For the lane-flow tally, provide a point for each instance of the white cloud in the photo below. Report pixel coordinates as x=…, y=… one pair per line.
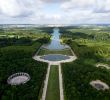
x=16, y=8
x=10, y=7
x=102, y=6
x=77, y=4
x=98, y=6
x=66, y=12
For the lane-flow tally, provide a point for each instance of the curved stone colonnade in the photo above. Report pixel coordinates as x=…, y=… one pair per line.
x=101, y=65
x=18, y=78
x=99, y=85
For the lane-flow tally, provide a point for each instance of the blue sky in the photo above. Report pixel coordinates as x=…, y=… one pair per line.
x=54, y=11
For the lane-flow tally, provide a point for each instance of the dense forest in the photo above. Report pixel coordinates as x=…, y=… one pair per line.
x=78, y=74
x=19, y=59
x=77, y=77
x=16, y=56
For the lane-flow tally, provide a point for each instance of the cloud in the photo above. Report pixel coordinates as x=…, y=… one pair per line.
x=77, y=4
x=10, y=7
x=54, y=1
x=102, y=6
x=17, y=8
x=54, y=11
x=97, y=6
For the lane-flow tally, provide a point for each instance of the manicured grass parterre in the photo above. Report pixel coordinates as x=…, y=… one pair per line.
x=53, y=92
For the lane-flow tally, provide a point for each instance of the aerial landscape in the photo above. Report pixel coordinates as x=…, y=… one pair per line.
x=54, y=50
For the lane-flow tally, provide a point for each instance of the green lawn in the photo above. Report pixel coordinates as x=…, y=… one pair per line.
x=53, y=92
x=65, y=52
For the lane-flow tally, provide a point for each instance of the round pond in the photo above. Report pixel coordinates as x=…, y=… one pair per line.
x=55, y=57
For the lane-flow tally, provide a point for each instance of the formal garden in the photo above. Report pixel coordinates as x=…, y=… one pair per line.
x=86, y=78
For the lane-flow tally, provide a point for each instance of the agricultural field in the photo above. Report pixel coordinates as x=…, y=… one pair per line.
x=91, y=46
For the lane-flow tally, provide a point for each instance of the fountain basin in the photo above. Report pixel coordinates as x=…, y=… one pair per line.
x=55, y=57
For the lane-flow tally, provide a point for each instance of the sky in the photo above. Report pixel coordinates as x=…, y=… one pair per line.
x=54, y=11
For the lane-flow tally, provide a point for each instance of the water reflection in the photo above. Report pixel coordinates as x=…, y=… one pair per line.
x=55, y=57
x=55, y=43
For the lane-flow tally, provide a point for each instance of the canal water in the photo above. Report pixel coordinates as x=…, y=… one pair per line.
x=55, y=42
x=55, y=57
x=55, y=45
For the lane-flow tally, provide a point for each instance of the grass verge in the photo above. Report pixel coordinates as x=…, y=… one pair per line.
x=53, y=92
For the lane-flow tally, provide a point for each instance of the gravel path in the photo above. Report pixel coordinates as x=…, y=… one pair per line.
x=72, y=58
x=46, y=83
x=61, y=83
